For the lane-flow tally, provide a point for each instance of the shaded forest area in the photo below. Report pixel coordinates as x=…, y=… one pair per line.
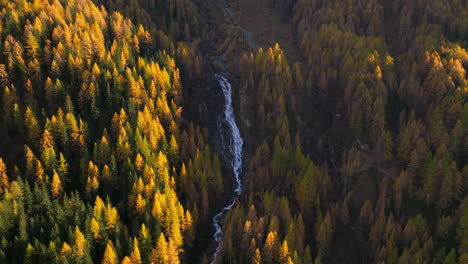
x=357, y=144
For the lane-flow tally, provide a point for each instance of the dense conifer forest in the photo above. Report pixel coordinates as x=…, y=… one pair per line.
x=353, y=114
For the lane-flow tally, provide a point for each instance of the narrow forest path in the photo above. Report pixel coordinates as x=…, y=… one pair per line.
x=263, y=26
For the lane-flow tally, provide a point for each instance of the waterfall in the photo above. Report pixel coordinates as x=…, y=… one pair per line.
x=233, y=153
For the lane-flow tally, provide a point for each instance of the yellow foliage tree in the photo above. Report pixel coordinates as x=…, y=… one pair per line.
x=95, y=183
x=111, y=217
x=140, y=186
x=4, y=183
x=106, y=173
x=56, y=185
x=140, y=204
x=162, y=167
x=173, y=252
x=157, y=210
x=92, y=184
x=98, y=207
x=284, y=253
x=139, y=162
x=80, y=242
x=270, y=246
x=159, y=253
x=187, y=221
x=135, y=256
x=144, y=231
x=47, y=140
x=257, y=258
x=32, y=126
x=30, y=162
x=65, y=249
x=93, y=170
x=29, y=253
x=40, y=174
x=110, y=257
x=126, y=260
x=95, y=229
x=148, y=173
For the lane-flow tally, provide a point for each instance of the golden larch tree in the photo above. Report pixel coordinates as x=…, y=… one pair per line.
x=80, y=242
x=4, y=183
x=65, y=249
x=135, y=256
x=95, y=229
x=56, y=185
x=159, y=253
x=110, y=257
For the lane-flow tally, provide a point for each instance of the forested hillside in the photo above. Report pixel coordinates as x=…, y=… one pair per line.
x=93, y=143
x=356, y=134
x=360, y=147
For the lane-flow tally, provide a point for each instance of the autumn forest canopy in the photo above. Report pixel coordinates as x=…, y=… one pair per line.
x=353, y=113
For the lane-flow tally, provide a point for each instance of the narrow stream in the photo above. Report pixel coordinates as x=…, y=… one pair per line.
x=232, y=142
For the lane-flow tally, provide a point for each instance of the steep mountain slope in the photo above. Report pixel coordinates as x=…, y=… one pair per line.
x=91, y=145
x=385, y=118
x=355, y=131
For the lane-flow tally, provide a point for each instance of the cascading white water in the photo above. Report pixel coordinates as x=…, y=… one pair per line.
x=233, y=156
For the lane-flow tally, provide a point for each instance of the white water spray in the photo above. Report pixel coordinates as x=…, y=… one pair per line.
x=234, y=157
